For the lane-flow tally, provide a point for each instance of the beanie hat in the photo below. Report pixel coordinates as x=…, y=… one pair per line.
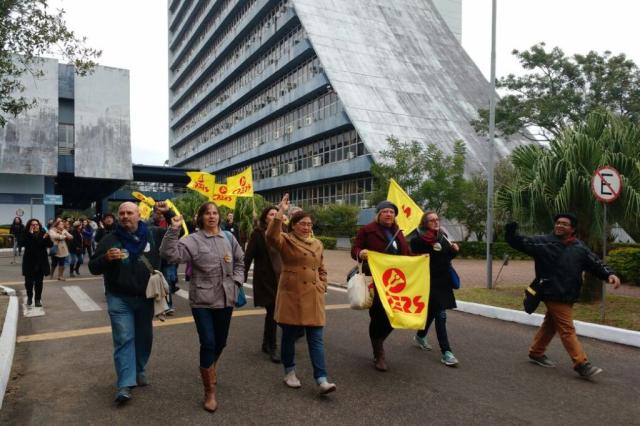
x=386, y=204
x=572, y=218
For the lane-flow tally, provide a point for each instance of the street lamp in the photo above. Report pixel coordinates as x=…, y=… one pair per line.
x=492, y=125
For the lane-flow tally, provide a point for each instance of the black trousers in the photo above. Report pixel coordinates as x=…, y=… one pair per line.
x=379, y=326
x=270, y=329
x=32, y=282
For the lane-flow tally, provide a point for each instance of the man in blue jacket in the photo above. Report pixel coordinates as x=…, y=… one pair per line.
x=125, y=257
x=560, y=258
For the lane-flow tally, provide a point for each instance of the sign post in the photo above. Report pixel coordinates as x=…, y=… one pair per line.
x=606, y=185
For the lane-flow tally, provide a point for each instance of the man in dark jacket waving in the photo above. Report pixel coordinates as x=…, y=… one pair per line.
x=122, y=256
x=560, y=258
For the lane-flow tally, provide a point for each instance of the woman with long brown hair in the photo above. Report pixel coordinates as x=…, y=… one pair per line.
x=266, y=271
x=217, y=275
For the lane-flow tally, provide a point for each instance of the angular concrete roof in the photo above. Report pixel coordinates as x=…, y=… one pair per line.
x=399, y=70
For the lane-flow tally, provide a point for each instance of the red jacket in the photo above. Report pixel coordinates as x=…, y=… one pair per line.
x=373, y=237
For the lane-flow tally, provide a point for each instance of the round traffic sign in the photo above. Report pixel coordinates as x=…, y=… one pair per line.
x=606, y=184
x=19, y=212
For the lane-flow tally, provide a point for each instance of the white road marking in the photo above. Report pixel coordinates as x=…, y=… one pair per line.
x=81, y=299
x=30, y=311
x=182, y=293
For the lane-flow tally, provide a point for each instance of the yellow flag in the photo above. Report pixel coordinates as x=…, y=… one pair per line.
x=202, y=182
x=403, y=285
x=409, y=214
x=222, y=197
x=145, y=210
x=241, y=185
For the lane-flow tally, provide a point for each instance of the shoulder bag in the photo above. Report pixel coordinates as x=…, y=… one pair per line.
x=358, y=291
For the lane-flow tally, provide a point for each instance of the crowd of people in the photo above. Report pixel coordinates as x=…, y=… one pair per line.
x=289, y=281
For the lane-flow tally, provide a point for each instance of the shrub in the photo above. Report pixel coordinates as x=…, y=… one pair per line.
x=626, y=263
x=335, y=220
x=329, y=243
x=478, y=249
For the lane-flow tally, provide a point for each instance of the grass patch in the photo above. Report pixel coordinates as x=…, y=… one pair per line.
x=620, y=311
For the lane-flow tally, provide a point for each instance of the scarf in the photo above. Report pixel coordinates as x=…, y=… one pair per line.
x=569, y=241
x=430, y=236
x=133, y=242
x=308, y=240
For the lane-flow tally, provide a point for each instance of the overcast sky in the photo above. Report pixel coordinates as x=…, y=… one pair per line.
x=133, y=35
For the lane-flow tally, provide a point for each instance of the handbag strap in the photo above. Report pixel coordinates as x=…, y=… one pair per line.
x=392, y=240
x=147, y=264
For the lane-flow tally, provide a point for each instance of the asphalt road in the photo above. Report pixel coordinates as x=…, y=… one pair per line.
x=62, y=379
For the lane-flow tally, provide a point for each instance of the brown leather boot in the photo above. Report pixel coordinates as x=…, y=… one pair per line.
x=378, y=354
x=209, y=380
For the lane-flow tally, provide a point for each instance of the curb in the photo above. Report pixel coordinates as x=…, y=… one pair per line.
x=8, y=340
x=586, y=329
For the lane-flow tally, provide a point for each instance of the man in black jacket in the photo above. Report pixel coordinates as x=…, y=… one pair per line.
x=560, y=258
x=121, y=257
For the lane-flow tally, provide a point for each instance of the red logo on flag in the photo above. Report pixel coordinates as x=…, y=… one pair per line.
x=394, y=279
x=406, y=210
x=223, y=190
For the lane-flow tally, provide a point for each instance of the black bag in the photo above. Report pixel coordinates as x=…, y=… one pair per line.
x=532, y=296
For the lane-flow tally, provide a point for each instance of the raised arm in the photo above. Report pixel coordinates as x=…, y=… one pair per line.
x=274, y=230
x=172, y=249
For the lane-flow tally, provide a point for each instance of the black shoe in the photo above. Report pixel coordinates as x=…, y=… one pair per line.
x=123, y=395
x=29, y=301
x=542, y=361
x=38, y=304
x=587, y=370
x=265, y=349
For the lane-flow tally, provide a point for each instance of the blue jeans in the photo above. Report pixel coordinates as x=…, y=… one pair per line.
x=315, y=344
x=440, y=317
x=213, y=329
x=132, y=334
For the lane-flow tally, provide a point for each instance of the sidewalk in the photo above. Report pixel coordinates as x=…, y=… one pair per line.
x=473, y=272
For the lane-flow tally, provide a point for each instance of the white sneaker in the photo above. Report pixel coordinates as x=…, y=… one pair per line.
x=326, y=387
x=291, y=380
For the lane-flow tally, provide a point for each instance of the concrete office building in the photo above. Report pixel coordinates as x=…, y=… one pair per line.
x=75, y=141
x=307, y=91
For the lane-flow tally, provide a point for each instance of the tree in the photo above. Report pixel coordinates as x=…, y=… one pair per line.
x=430, y=177
x=558, y=179
x=29, y=31
x=559, y=91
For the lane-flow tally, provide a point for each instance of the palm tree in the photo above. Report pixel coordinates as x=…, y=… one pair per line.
x=558, y=179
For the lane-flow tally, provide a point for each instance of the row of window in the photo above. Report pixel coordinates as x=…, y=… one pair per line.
x=211, y=52
x=304, y=72
x=154, y=187
x=272, y=56
x=325, y=105
x=351, y=191
x=212, y=22
x=343, y=146
x=66, y=139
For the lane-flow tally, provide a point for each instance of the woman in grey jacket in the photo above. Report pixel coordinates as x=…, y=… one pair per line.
x=218, y=272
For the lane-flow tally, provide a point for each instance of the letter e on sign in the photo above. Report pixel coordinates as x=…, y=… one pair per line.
x=606, y=184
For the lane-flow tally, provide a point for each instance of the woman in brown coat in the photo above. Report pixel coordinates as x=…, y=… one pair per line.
x=382, y=235
x=266, y=270
x=301, y=289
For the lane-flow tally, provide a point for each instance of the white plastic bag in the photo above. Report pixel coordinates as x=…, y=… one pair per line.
x=358, y=291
